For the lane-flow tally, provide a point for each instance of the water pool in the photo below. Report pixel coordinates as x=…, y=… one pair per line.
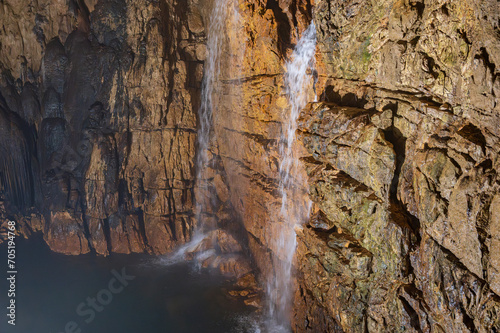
x=99, y=295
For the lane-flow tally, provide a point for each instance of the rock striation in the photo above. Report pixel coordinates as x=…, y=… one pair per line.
x=100, y=99
x=402, y=165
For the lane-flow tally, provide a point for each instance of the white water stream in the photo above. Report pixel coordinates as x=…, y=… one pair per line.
x=293, y=211
x=294, y=208
x=210, y=84
x=216, y=33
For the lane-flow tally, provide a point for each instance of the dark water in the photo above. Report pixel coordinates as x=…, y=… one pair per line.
x=160, y=298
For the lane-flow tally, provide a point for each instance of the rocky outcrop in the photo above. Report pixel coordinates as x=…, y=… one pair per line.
x=403, y=170
x=98, y=130
x=100, y=98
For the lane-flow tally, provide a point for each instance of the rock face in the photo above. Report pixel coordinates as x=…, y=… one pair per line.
x=248, y=119
x=401, y=153
x=98, y=125
x=98, y=119
x=403, y=170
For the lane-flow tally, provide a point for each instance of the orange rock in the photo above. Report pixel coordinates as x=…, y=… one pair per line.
x=65, y=234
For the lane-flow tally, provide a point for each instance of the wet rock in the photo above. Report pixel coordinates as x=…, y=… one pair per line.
x=494, y=267
x=227, y=243
x=66, y=234
x=195, y=20
x=247, y=288
x=125, y=234
x=234, y=266
x=113, y=115
x=98, y=232
x=98, y=118
x=255, y=302
x=221, y=188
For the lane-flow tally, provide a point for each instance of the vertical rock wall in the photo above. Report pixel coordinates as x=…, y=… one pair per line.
x=247, y=121
x=98, y=115
x=403, y=169
x=98, y=129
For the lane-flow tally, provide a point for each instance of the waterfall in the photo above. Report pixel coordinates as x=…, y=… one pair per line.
x=294, y=211
x=212, y=70
x=204, y=200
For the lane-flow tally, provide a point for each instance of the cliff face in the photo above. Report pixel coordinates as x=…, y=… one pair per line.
x=403, y=169
x=98, y=115
x=248, y=119
x=98, y=125
x=401, y=154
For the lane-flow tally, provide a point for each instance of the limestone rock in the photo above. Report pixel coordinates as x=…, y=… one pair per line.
x=428, y=217
x=66, y=234
x=98, y=126
x=105, y=103
x=493, y=269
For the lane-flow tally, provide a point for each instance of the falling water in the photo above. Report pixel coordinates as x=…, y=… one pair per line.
x=215, y=36
x=209, y=92
x=292, y=188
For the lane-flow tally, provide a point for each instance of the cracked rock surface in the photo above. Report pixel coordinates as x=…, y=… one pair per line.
x=98, y=130
x=98, y=115
x=403, y=170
